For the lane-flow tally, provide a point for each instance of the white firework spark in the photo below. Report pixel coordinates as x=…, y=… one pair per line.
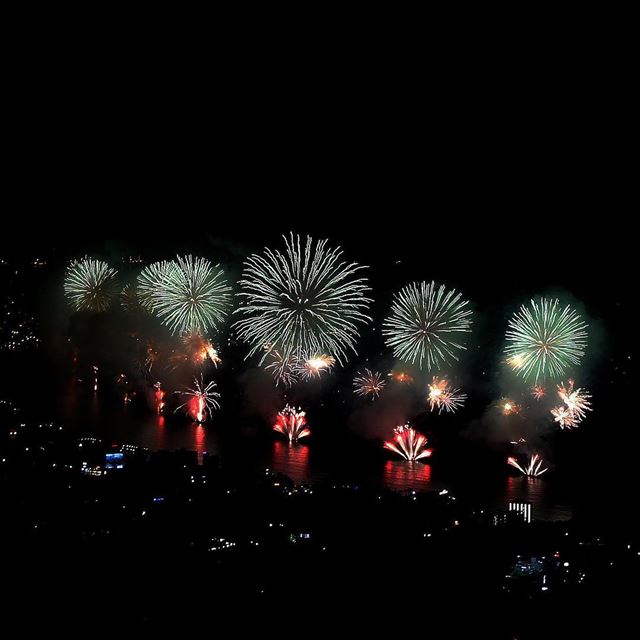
x=576, y=400
x=187, y=294
x=533, y=469
x=369, y=383
x=201, y=400
x=307, y=300
x=427, y=324
x=90, y=285
x=565, y=417
x=314, y=366
x=543, y=340
x=443, y=397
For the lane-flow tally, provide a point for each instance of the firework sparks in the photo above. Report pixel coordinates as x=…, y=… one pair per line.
x=151, y=280
x=576, y=400
x=427, y=324
x=201, y=400
x=292, y=423
x=200, y=348
x=408, y=443
x=129, y=298
x=443, y=397
x=187, y=294
x=533, y=469
x=509, y=407
x=305, y=301
x=90, y=285
x=564, y=417
x=158, y=395
x=369, y=383
x=313, y=367
x=538, y=392
x=284, y=370
x=401, y=377
x=543, y=340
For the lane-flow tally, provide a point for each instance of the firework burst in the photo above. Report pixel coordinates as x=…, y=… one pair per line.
x=304, y=301
x=408, y=443
x=199, y=349
x=284, y=370
x=151, y=281
x=187, y=294
x=292, y=424
x=576, y=400
x=538, y=392
x=369, y=383
x=313, y=367
x=564, y=417
x=90, y=285
x=533, y=469
x=158, y=396
x=401, y=377
x=443, y=397
x=427, y=324
x=509, y=407
x=543, y=340
x=201, y=400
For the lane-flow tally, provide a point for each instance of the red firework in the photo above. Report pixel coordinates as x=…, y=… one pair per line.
x=159, y=397
x=292, y=424
x=408, y=443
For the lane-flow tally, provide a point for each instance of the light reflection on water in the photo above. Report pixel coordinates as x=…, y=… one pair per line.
x=292, y=459
x=89, y=415
x=402, y=474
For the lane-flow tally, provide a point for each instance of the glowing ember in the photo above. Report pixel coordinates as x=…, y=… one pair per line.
x=408, y=443
x=533, y=469
x=443, y=397
x=400, y=376
x=292, y=424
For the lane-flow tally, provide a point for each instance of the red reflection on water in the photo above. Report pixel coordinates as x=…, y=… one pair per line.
x=200, y=441
x=292, y=459
x=524, y=488
x=402, y=474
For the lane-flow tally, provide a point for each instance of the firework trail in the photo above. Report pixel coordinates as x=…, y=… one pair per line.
x=408, y=443
x=369, y=383
x=90, y=285
x=543, y=340
x=427, y=325
x=283, y=370
x=201, y=402
x=304, y=301
x=443, y=397
x=292, y=424
x=158, y=395
x=187, y=294
x=533, y=469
